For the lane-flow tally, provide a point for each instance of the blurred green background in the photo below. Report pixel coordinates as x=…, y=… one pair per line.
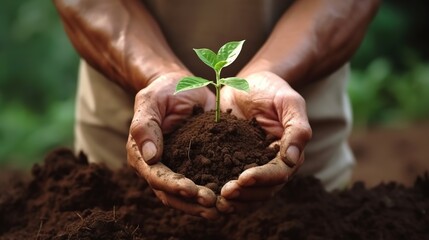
x=38, y=67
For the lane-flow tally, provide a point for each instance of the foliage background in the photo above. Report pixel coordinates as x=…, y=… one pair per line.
x=38, y=67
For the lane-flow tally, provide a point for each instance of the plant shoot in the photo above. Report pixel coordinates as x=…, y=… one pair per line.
x=224, y=57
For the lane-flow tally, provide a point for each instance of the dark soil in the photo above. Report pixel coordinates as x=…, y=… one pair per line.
x=211, y=153
x=68, y=198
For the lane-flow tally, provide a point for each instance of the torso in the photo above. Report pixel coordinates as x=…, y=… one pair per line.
x=189, y=24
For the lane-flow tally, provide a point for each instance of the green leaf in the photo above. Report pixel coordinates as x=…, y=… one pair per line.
x=237, y=83
x=219, y=65
x=229, y=52
x=207, y=56
x=188, y=83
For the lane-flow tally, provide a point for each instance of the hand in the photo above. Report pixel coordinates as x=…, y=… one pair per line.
x=158, y=111
x=280, y=111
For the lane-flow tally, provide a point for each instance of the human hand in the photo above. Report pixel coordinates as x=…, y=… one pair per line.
x=158, y=111
x=173, y=189
x=280, y=111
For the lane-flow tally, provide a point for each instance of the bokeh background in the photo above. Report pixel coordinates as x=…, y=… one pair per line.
x=389, y=87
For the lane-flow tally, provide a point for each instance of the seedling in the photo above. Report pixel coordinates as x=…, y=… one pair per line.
x=224, y=57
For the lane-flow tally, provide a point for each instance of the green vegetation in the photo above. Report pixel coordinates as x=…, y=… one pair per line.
x=390, y=74
x=38, y=71
x=224, y=57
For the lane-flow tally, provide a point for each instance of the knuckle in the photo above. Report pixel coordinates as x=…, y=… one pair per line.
x=135, y=126
x=305, y=131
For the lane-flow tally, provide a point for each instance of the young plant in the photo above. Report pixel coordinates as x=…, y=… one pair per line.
x=224, y=57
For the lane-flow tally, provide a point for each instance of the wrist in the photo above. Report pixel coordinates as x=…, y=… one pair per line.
x=149, y=73
x=293, y=74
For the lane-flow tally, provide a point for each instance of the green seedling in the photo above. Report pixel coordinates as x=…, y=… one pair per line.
x=224, y=57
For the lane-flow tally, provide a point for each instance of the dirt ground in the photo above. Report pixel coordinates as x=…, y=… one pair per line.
x=386, y=154
x=68, y=198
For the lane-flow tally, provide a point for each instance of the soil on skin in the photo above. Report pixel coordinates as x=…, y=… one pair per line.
x=211, y=153
x=68, y=198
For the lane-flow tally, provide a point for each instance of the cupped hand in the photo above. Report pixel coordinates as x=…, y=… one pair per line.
x=280, y=111
x=157, y=111
x=173, y=189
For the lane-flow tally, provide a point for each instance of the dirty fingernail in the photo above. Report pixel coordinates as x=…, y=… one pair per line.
x=292, y=156
x=148, y=151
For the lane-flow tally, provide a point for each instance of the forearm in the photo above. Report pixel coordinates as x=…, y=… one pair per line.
x=313, y=39
x=120, y=39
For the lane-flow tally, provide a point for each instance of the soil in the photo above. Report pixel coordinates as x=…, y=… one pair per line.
x=397, y=153
x=68, y=198
x=211, y=153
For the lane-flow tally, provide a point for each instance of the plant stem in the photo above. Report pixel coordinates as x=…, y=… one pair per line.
x=217, y=85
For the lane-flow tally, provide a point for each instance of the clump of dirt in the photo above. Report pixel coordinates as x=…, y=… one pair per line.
x=69, y=198
x=211, y=154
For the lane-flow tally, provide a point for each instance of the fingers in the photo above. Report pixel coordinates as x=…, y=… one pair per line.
x=188, y=207
x=173, y=189
x=146, y=128
x=230, y=206
x=158, y=175
x=241, y=193
x=206, y=197
x=297, y=131
x=272, y=173
x=253, y=187
x=258, y=183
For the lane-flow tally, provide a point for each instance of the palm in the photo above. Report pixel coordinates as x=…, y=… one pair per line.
x=281, y=112
x=266, y=102
x=171, y=109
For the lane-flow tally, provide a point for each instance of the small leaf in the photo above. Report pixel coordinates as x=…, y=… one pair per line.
x=229, y=52
x=207, y=56
x=237, y=83
x=188, y=83
x=219, y=65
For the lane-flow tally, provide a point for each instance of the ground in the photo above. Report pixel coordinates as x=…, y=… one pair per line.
x=68, y=198
x=386, y=154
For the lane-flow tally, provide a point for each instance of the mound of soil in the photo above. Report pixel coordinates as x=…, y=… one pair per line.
x=69, y=198
x=211, y=154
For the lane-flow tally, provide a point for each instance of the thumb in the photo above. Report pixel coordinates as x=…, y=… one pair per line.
x=146, y=131
x=293, y=142
x=297, y=132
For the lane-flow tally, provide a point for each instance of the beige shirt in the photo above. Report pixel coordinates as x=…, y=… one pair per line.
x=102, y=129
x=189, y=24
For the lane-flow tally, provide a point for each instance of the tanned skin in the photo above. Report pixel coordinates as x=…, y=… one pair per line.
x=122, y=40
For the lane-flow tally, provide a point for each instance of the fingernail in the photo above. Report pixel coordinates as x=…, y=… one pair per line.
x=148, y=151
x=292, y=156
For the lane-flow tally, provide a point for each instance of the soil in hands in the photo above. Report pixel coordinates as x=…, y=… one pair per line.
x=211, y=154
